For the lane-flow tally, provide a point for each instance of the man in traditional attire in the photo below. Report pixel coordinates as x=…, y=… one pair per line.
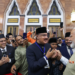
x=6, y=56
x=20, y=57
x=39, y=54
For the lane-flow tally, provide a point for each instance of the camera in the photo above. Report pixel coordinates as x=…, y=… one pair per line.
x=4, y=54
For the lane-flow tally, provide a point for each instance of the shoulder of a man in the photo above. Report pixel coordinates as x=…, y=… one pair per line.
x=18, y=48
x=10, y=47
x=47, y=44
x=31, y=47
x=62, y=47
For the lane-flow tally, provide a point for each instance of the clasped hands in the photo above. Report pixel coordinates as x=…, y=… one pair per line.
x=53, y=54
x=4, y=60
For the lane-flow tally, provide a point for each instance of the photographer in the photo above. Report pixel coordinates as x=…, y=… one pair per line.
x=59, y=41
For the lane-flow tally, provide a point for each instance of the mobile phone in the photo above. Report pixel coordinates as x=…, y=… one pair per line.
x=4, y=54
x=24, y=35
x=61, y=24
x=13, y=41
x=54, y=32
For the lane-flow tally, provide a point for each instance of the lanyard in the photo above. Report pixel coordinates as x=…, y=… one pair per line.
x=40, y=48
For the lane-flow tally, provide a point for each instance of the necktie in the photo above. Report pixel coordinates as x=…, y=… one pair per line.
x=71, y=52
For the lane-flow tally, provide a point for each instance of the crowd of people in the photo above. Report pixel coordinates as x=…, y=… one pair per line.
x=37, y=55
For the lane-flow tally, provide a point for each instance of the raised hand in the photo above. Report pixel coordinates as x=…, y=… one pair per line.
x=51, y=54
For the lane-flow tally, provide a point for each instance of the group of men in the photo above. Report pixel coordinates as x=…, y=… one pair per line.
x=45, y=56
x=13, y=54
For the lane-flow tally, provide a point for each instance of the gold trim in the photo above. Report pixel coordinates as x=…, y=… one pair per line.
x=55, y=20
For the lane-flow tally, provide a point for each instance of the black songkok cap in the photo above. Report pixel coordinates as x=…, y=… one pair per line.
x=67, y=34
x=52, y=40
x=41, y=30
x=2, y=36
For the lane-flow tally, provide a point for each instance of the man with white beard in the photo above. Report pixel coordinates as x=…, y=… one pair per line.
x=73, y=38
x=70, y=64
x=67, y=49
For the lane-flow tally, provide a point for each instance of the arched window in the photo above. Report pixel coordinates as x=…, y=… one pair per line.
x=34, y=9
x=14, y=10
x=33, y=17
x=54, y=9
x=55, y=16
x=12, y=19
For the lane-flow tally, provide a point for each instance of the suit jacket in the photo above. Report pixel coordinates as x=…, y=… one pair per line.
x=70, y=67
x=36, y=62
x=64, y=51
x=4, y=69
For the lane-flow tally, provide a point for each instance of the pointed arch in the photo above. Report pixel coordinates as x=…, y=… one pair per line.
x=13, y=5
x=55, y=16
x=33, y=15
x=14, y=10
x=12, y=18
x=58, y=6
x=34, y=6
x=34, y=9
x=54, y=9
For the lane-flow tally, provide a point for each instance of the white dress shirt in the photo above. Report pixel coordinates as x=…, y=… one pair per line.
x=3, y=49
x=59, y=45
x=64, y=60
x=73, y=49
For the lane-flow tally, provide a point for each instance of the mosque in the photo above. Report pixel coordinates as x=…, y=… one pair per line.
x=19, y=16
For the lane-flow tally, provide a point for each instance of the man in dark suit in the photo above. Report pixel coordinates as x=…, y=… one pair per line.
x=39, y=54
x=66, y=50
x=6, y=56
